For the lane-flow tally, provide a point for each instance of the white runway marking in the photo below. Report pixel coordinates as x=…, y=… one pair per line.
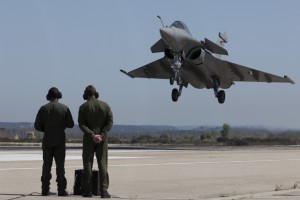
x=203, y=162
x=166, y=164
x=39, y=157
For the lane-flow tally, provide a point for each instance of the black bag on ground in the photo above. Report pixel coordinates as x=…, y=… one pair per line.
x=78, y=189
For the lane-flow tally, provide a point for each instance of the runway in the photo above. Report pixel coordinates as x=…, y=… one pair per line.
x=205, y=173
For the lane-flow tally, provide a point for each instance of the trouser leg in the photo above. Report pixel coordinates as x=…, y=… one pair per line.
x=102, y=159
x=46, y=171
x=59, y=156
x=87, y=157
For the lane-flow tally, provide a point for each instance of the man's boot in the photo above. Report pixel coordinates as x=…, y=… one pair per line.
x=105, y=195
x=63, y=193
x=45, y=186
x=87, y=194
x=62, y=185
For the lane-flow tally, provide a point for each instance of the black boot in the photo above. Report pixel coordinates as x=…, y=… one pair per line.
x=45, y=189
x=61, y=186
x=45, y=192
x=63, y=193
x=105, y=195
x=45, y=185
x=87, y=194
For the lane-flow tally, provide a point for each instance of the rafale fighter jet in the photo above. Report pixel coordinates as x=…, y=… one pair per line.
x=189, y=61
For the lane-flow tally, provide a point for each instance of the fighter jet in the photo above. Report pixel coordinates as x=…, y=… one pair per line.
x=198, y=63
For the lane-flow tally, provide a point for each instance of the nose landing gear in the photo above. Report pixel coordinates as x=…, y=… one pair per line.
x=177, y=62
x=220, y=95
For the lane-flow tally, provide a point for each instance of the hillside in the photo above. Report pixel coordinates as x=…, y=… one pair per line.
x=151, y=134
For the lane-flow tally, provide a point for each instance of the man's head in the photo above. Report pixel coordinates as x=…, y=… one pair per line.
x=90, y=91
x=53, y=93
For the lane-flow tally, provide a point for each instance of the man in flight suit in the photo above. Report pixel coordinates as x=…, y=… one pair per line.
x=95, y=119
x=52, y=119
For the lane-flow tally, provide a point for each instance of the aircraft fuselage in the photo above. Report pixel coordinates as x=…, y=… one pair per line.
x=189, y=61
x=175, y=38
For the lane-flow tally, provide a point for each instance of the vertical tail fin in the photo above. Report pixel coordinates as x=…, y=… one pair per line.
x=221, y=41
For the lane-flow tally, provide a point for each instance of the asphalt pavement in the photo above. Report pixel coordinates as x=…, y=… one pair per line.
x=205, y=173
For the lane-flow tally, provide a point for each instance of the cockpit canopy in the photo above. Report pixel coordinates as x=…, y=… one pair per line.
x=181, y=25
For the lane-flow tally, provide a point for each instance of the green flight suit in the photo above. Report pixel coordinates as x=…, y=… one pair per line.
x=95, y=117
x=52, y=119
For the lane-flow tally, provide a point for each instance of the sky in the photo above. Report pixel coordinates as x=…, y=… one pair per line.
x=70, y=44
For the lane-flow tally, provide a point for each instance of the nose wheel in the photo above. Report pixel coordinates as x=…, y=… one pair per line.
x=175, y=94
x=220, y=95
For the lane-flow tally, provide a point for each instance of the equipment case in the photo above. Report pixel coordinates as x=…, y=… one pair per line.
x=78, y=189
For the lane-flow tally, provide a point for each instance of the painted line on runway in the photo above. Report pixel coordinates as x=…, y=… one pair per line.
x=164, y=164
x=38, y=157
x=202, y=162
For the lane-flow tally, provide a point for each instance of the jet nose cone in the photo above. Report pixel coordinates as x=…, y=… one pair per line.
x=167, y=35
x=166, y=32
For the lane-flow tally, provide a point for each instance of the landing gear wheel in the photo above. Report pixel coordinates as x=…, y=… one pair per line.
x=175, y=94
x=172, y=79
x=221, y=96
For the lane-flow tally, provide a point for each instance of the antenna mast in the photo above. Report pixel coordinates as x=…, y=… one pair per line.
x=161, y=21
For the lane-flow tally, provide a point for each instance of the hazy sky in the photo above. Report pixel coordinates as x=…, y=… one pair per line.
x=71, y=44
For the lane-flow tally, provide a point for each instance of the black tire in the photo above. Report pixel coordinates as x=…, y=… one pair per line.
x=221, y=96
x=175, y=94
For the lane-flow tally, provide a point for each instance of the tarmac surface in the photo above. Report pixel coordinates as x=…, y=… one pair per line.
x=260, y=173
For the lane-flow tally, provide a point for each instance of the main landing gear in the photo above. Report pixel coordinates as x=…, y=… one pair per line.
x=220, y=95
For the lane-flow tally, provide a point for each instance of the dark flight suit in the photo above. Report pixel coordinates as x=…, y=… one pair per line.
x=95, y=117
x=52, y=119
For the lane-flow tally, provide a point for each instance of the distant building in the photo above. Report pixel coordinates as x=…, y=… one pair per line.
x=30, y=135
x=16, y=137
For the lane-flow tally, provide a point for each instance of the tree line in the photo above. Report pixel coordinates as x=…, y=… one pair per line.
x=225, y=135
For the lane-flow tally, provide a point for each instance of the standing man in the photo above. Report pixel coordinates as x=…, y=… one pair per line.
x=95, y=119
x=52, y=119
